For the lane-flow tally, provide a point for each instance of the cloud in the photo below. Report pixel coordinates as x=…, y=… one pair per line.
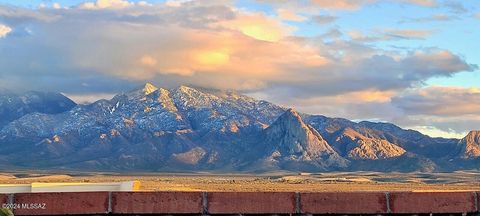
x=440, y=101
x=408, y=33
x=148, y=60
x=288, y=15
x=324, y=19
x=341, y=4
x=258, y=26
x=391, y=34
x=477, y=15
x=425, y=3
x=436, y=132
x=56, y=5
x=89, y=98
x=432, y=18
x=17, y=15
x=455, y=7
x=215, y=46
x=332, y=33
x=4, y=30
x=104, y=4
x=212, y=42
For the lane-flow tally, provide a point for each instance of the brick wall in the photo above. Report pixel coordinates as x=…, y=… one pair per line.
x=241, y=203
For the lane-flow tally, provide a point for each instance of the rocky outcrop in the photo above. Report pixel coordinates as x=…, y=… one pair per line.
x=289, y=139
x=469, y=146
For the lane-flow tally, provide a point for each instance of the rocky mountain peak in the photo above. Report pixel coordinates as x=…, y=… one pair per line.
x=473, y=137
x=141, y=91
x=291, y=138
x=148, y=88
x=291, y=118
x=470, y=145
x=186, y=89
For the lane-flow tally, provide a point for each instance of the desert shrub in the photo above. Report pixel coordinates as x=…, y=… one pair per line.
x=6, y=212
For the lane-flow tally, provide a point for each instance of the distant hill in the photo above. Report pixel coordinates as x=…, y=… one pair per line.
x=194, y=129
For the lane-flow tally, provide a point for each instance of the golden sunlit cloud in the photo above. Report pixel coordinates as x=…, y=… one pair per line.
x=4, y=30
x=365, y=96
x=259, y=27
x=211, y=58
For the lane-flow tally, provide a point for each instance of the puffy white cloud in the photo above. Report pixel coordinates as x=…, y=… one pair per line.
x=56, y=5
x=4, y=30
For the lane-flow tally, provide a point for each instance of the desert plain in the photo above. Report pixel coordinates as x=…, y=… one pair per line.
x=273, y=181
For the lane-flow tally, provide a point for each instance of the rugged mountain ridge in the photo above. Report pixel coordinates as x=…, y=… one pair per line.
x=185, y=128
x=355, y=145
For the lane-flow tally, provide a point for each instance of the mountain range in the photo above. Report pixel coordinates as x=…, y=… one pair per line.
x=198, y=129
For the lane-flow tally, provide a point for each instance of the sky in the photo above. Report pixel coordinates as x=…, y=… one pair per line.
x=414, y=63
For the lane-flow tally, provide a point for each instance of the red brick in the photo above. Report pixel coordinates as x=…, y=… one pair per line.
x=156, y=202
x=3, y=199
x=63, y=203
x=251, y=202
x=343, y=203
x=432, y=202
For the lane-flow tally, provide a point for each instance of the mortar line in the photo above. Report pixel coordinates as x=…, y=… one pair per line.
x=475, y=196
x=205, y=203
x=11, y=198
x=109, y=210
x=387, y=198
x=298, y=206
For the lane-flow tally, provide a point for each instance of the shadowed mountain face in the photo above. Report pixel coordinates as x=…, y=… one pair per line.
x=156, y=129
x=14, y=106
